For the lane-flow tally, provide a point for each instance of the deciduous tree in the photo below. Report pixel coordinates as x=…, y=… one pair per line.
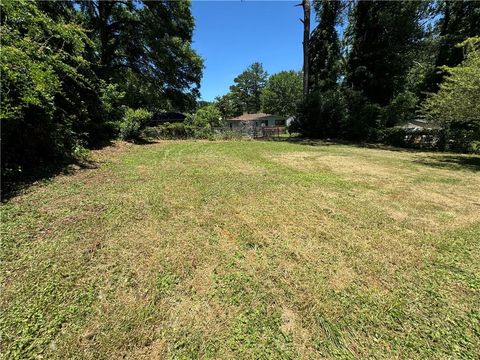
x=456, y=106
x=380, y=36
x=146, y=47
x=282, y=93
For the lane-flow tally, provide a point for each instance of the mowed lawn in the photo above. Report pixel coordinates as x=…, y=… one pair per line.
x=246, y=250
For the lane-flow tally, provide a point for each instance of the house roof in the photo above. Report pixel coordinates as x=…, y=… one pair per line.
x=254, y=117
x=418, y=124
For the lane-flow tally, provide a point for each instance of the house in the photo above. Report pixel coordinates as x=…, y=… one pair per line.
x=258, y=119
x=257, y=125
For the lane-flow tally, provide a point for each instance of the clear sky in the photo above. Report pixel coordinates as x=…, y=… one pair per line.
x=230, y=35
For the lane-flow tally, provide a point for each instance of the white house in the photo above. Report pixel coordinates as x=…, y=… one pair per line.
x=255, y=120
x=257, y=125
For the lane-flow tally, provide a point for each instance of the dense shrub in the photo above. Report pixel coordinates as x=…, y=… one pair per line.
x=228, y=135
x=431, y=139
x=186, y=131
x=206, y=117
x=196, y=126
x=362, y=120
x=170, y=131
x=321, y=115
x=463, y=137
x=133, y=122
x=47, y=87
x=112, y=103
x=394, y=136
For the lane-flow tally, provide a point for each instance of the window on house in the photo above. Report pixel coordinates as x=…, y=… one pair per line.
x=279, y=122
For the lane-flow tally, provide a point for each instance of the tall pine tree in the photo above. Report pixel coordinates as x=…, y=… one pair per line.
x=380, y=37
x=248, y=88
x=459, y=21
x=324, y=52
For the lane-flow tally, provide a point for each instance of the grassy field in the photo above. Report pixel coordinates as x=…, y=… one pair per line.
x=245, y=250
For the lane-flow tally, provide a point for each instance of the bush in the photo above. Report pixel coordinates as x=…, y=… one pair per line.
x=46, y=88
x=203, y=133
x=463, y=137
x=206, y=117
x=228, y=135
x=170, y=131
x=111, y=97
x=418, y=139
x=133, y=122
x=395, y=136
x=183, y=131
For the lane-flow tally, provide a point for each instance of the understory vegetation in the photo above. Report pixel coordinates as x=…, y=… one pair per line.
x=251, y=250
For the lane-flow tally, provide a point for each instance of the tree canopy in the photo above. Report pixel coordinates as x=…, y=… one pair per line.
x=282, y=93
x=456, y=105
x=325, y=58
x=146, y=47
x=248, y=87
x=381, y=35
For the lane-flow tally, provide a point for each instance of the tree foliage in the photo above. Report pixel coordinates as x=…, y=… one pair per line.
x=381, y=35
x=229, y=105
x=456, y=106
x=133, y=122
x=248, y=88
x=282, y=93
x=151, y=42
x=325, y=57
x=48, y=89
x=392, y=53
x=459, y=20
x=71, y=68
x=206, y=117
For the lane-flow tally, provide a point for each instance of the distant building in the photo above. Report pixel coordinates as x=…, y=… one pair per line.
x=257, y=125
x=417, y=125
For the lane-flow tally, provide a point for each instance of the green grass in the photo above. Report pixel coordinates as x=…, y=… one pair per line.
x=245, y=250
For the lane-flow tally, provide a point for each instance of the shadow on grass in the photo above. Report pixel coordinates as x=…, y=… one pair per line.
x=15, y=184
x=331, y=142
x=142, y=141
x=450, y=161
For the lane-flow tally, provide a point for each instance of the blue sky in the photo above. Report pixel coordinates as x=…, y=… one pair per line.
x=230, y=35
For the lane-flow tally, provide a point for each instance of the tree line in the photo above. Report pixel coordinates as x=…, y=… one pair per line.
x=77, y=73
x=394, y=61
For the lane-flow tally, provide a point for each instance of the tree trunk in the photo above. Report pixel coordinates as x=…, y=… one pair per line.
x=306, y=40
